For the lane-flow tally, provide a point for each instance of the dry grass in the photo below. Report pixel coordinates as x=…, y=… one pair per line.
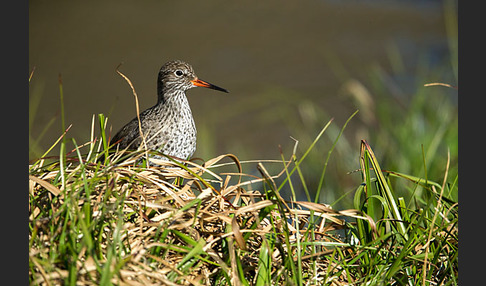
x=167, y=225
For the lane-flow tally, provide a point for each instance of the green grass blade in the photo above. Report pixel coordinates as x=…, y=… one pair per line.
x=385, y=190
x=321, y=179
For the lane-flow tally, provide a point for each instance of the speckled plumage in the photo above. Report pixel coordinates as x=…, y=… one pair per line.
x=168, y=126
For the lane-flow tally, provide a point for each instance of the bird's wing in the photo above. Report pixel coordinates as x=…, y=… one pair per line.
x=128, y=136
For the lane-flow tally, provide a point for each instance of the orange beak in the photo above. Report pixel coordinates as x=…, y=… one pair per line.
x=198, y=82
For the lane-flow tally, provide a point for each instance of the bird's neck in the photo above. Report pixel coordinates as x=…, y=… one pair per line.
x=174, y=101
x=161, y=90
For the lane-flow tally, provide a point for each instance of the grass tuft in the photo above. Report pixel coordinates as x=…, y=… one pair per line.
x=113, y=221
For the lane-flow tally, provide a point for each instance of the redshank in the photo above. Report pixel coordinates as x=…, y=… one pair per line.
x=168, y=126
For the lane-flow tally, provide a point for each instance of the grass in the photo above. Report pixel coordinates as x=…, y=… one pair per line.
x=121, y=223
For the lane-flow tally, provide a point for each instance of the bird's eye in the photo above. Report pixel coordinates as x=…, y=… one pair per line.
x=179, y=73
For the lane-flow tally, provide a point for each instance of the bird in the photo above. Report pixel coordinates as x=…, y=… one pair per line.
x=168, y=126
